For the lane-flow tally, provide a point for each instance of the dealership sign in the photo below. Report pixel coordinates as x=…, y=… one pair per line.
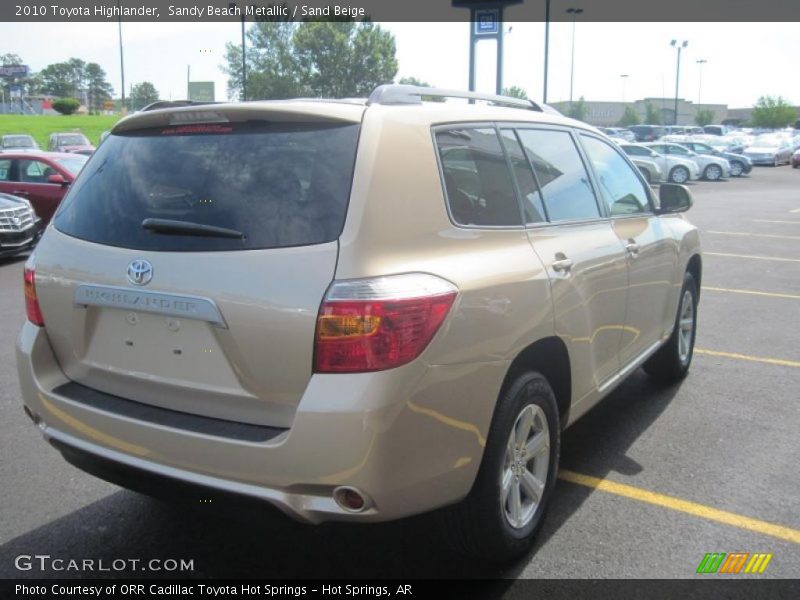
x=12, y=70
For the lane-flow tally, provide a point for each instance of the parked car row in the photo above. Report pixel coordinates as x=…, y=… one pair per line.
x=32, y=184
x=73, y=142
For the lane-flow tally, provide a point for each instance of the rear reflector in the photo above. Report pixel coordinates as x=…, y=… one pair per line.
x=31, y=300
x=380, y=323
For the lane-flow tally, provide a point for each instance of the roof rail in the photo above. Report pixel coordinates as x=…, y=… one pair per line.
x=173, y=104
x=412, y=94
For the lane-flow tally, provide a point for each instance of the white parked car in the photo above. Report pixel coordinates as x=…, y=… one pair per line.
x=712, y=168
x=674, y=169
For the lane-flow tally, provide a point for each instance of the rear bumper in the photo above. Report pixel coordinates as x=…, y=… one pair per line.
x=409, y=439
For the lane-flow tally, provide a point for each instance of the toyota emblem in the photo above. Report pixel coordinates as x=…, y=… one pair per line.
x=140, y=272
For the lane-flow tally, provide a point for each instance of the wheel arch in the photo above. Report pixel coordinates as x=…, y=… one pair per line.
x=548, y=356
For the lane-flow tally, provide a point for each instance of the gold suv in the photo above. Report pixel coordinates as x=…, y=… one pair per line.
x=353, y=310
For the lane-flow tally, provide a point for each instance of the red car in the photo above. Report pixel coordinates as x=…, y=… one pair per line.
x=41, y=177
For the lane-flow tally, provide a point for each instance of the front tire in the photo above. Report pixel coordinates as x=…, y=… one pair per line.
x=506, y=506
x=672, y=361
x=646, y=174
x=679, y=175
x=713, y=173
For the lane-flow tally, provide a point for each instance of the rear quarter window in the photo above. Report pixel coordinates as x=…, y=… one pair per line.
x=477, y=179
x=280, y=184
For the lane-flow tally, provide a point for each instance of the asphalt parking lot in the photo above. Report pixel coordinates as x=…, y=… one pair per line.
x=652, y=478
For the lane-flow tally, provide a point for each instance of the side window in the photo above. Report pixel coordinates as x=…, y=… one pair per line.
x=33, y=171
x=5, y=170
x=476, y=177
x=677, y=150
x=565, y=186
x=620, y=186
x=531, y=196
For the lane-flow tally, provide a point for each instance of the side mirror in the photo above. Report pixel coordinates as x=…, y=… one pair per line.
x=56, y=178
x=673, y=198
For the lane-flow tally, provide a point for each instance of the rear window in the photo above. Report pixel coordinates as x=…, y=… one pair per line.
x=279, y=184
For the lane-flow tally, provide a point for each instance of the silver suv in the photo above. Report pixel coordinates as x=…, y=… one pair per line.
x=353, y=310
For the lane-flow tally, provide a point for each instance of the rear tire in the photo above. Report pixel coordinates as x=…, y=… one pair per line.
x=672, y=361
x=737, y=169
x=506, y=506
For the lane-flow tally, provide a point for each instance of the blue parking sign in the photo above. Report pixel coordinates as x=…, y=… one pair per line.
x=487, y=21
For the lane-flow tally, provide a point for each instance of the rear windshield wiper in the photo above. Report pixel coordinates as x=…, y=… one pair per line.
x=173, y=227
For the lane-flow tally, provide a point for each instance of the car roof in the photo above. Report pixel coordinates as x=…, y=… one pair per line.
x=346, y=110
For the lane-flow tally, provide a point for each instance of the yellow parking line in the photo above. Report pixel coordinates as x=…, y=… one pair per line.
x=752, y=292
x=776, y=221
x=778, y=258
x=684, y=506
x=748, y=234
x=782, y=362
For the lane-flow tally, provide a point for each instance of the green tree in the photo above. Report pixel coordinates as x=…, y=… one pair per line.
x=772, y=112
x=66, y=106
x=704, y=116
x=332, y=59
x=515, y=92
x=630, y=117
x=77, y=69
x=98, y=89
x=578, y=110
x=652, y=115
x=56, y=80
x=142, y=94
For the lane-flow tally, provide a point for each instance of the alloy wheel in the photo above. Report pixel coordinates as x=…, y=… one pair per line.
x=525, y=468
x=686, y=327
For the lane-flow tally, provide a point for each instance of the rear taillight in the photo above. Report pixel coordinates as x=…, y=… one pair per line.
x=380, y=323
x=31, y=300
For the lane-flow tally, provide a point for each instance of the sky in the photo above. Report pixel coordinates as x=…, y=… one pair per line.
x=744, y=60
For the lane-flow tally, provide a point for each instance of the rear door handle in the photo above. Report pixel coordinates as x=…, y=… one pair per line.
x=563, y=265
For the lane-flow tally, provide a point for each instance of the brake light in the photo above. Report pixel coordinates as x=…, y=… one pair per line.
x=32, y=307
x=380, y=323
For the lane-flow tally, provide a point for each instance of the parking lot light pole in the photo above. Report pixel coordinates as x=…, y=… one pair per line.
x=624, y=78
x=700, y=63
x=674, y=44
x=574, y=12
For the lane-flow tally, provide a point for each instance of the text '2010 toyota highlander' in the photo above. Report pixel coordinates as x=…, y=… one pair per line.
x=353, y=310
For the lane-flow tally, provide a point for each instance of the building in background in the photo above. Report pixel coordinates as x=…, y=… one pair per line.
x=608, y=114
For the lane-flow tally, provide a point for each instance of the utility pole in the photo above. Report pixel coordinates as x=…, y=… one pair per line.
x=121, y=59
x=624, y=78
